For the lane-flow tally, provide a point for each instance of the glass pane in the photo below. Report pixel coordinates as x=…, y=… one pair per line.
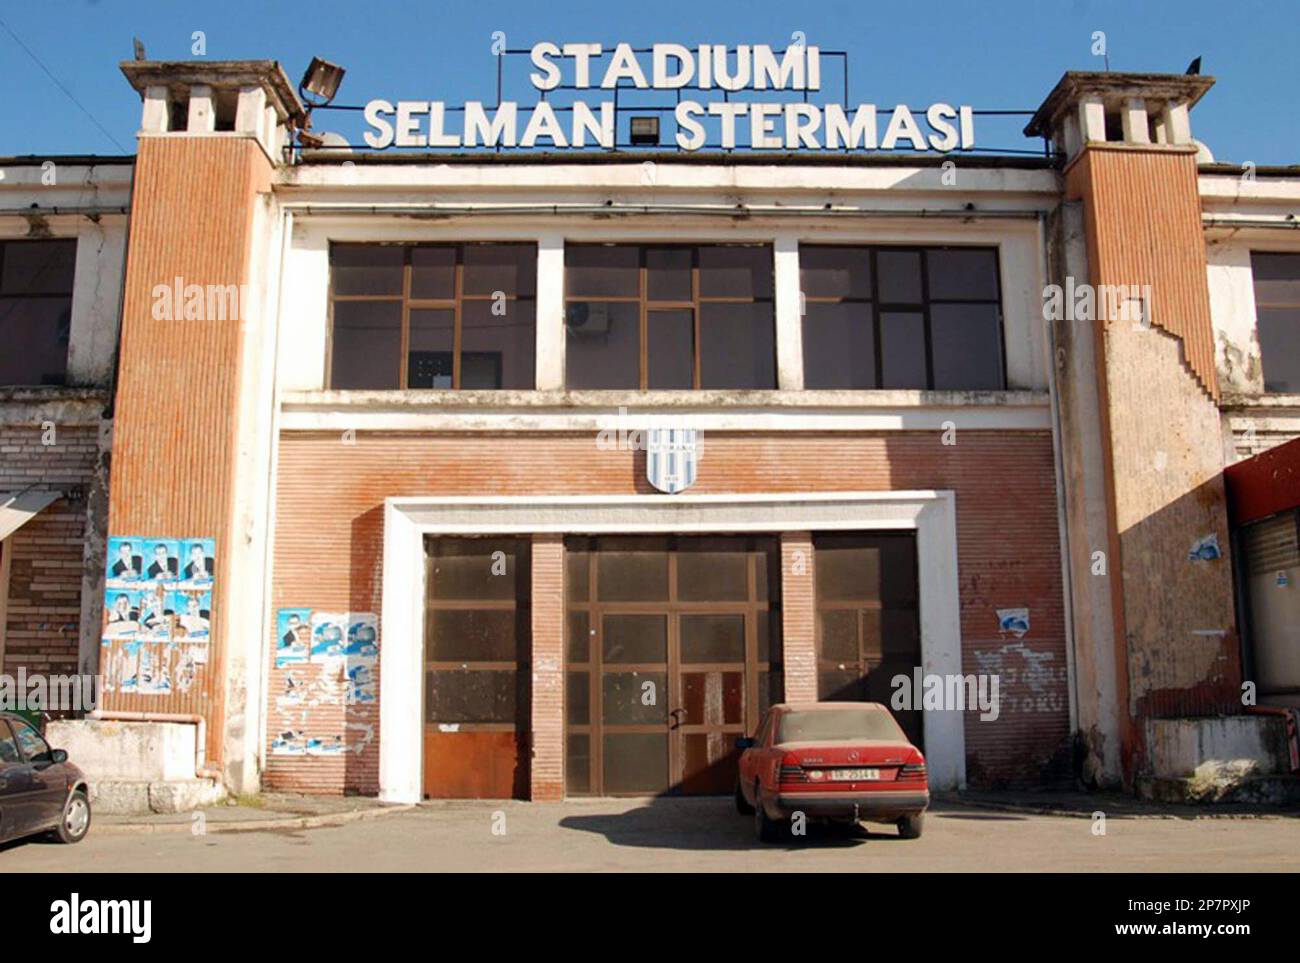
x=603, y=344
x=632, y=576
x=963, y=273
x=671, y=344
x=473, y=569
x=576, y=575
x=771, y=690
x=473, y=635
x=835, y=272
x=429, y=361
x=577, y=698
x=899, y=276
x=710, y=763
x=579, y=640
x=713, y=638
x=1277, y=278
x=455, y=695
x=735, y=271
x=840, y=685
x=366, y=268
x=634, y=638
x=34, y=333
x=839, y=629
x=769, y=636
x=713, y=698
x=1279, y=348
x=577, y=764
x=596, y=271
x=900, y=636
x=498, y=341
x=668, y=273
x=433, y=272
x=712, y=576
x=37, y=267
x=737, y=346
x=847, y=567
x=966, y=344
x=839, y=346
x=367, y=345
x=634, y=698
x=635, y=762
x=492, y=269
x=902, y=349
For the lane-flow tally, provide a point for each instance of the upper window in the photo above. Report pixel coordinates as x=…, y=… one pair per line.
x=432, y=315
x=669, y=317
x=35, y=310
x=1277, y=318
x=893, y=317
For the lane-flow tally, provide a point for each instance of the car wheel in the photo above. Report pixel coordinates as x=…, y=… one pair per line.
x=909, y=827
x=742, y=805
x=767, y=830
x=75, y=821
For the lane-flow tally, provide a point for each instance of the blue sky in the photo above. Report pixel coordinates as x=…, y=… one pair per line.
x=987, y=54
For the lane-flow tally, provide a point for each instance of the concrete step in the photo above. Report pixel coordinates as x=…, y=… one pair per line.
x=126, y=797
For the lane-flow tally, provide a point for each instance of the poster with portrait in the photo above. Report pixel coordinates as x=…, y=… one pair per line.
x=121, y=613
x=292, y=637
x=124, y=567
x=197, y=561
x=328, y=636
x=161, y=560
x=192, y=608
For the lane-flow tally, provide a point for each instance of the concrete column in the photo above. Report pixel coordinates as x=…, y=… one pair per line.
x=1092, y=119
x=203, y=110
x=249, y=110
x=1134, y=120
x=1177, y=123
x=156, y=114
x=547, y=769
x=550, y=312
x=789, y=314
x=797, y=617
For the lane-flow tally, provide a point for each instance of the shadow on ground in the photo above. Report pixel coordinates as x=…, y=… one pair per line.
x=712, y=824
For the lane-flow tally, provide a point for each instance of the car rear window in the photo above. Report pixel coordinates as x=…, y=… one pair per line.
x=838, y=724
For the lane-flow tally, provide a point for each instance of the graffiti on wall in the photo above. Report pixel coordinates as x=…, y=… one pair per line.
x=157, y=618
x=329, y=659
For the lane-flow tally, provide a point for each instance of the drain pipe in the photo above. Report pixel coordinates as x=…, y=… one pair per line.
x=201, y=769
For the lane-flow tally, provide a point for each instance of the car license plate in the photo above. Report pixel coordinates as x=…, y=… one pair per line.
x=853, y=775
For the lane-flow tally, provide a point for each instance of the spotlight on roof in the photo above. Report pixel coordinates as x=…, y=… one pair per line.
x=645, y=131
x=321, y=81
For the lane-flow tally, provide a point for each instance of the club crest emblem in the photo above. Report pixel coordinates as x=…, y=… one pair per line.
x=672, y=457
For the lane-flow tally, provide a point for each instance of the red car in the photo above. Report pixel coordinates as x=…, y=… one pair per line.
x=842, y=761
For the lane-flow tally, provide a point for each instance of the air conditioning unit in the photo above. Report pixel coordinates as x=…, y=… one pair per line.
x=587, y=317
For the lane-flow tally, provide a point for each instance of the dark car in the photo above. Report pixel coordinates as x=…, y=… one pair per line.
x=838, y=761
x=40, y=791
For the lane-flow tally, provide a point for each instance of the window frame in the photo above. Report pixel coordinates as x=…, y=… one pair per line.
x=74, y=242
x=455, y=304
x=1268, y=305
x=922, y=306
x=646, y=305
x=521, y=608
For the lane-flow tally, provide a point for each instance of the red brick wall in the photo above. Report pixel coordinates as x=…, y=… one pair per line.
x=798, y=600
x=43, y=619
x=548, y=668
x=329, y=539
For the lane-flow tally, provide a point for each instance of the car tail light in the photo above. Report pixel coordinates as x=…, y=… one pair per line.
x=914, y=771
x=791, y=771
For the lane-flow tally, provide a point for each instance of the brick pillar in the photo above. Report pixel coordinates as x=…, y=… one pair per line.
x=547, y=769
x=797, y=617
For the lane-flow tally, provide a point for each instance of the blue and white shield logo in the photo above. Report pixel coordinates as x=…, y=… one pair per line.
x=671, y=458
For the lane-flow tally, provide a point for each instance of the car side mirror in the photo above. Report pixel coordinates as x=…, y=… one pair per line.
x=744, y=742
x=58, y=755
